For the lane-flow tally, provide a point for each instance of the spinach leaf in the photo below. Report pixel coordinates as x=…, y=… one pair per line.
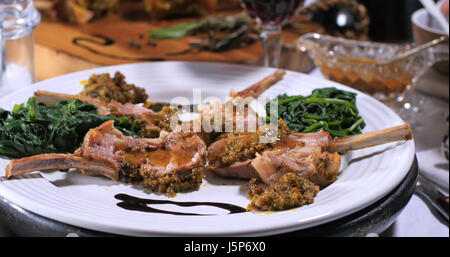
x=330, y=109
x=34, y=128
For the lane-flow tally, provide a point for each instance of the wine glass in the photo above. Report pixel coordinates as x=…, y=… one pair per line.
x=272, y=15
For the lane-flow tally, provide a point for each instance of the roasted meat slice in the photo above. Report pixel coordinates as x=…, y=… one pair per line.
x=235, y=114
x=301, y=153
x=312, y=155
x=100, y=153
x=294, y=171
x=172, y=163
x=230, y=156
x=178, y=167
x=309, y=162
x=105, y=143
x=230, y=150
x=242, y=170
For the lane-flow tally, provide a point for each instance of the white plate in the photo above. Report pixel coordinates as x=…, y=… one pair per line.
x=89, y=202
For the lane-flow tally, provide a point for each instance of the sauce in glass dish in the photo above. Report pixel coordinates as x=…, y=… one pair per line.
x=373, y=80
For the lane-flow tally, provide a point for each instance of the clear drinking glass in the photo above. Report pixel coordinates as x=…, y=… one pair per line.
x=18, y=19
x=272, y=15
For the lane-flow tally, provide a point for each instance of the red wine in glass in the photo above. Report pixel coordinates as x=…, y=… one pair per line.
x=272, y=12
x=272, y=15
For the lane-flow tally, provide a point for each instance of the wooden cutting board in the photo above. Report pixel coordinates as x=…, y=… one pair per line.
x=85, y=42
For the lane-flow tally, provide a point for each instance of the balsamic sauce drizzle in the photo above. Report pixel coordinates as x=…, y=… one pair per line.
x=105, y=41
x=140, y=204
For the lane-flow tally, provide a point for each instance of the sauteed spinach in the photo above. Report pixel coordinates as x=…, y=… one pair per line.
x=35, y=128
x=330, y=109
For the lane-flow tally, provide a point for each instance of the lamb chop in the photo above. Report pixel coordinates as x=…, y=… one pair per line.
x=152, y=123
x=231, y=154
x=314, y=156
x=103, y=108
x=172, y=163
x=235, y=114
x=105, y=151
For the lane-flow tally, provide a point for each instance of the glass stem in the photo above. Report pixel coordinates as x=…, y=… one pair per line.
x=272, y=40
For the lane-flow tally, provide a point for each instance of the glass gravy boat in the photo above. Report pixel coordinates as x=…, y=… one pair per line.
x=362, y=65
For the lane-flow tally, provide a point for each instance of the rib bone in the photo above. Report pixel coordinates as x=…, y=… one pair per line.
x=52, y=97
x=369, y=139
x=258, y=88
x=58, y=162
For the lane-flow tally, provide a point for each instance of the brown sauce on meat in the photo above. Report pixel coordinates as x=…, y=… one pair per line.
x=136, y=157
x=140, y=204
x=158, y=158
x=183, y=157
